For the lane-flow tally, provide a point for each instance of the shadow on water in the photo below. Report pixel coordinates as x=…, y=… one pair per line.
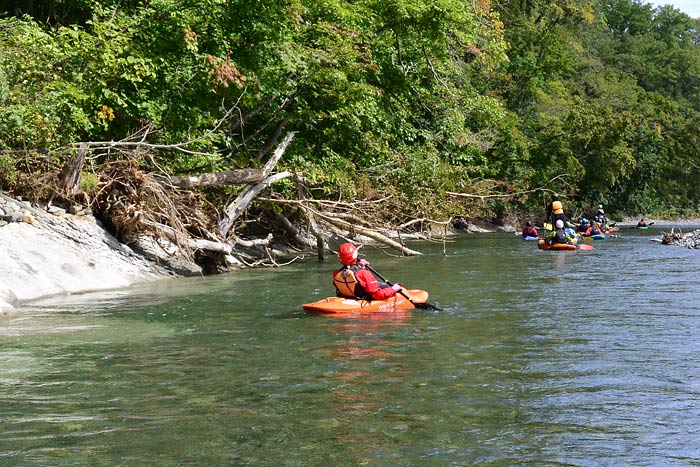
x=536, y=358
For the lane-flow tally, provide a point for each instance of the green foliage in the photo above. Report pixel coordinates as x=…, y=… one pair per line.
x=88, y=181
x=8, y=172
x=594, y=98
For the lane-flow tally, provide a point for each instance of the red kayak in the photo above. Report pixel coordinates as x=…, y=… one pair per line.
x=353, y=306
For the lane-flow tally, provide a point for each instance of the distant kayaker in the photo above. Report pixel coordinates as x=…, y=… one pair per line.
x=601, y=219
x=559, y=235
x=555, y=211
x=593, y=230
x=599, y=212
x=529, y=230
x=641, y=223
x=354, y=280
x=583, y=226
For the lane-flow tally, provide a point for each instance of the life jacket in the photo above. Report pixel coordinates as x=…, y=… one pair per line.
x=560, y=236
x=557, y=207
x=346, y=284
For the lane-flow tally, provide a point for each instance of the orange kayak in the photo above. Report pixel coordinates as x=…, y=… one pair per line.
x=350, y=305
x=542, y=245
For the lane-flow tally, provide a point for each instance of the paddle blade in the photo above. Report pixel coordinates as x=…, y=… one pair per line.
x=426, y=306
x=586, y=247
x=587, y=239
x=547, y=226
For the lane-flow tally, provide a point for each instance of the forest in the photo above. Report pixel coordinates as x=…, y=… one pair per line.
x=354, y=113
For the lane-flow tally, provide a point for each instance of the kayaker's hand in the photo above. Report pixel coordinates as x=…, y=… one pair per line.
x=363, y=262
x=396, y=287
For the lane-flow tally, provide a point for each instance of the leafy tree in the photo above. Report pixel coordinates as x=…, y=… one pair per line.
x=596, y=98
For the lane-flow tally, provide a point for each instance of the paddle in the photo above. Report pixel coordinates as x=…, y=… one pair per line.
x=425, y=306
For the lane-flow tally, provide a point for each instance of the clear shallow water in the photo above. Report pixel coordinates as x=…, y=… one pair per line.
x=535, y=359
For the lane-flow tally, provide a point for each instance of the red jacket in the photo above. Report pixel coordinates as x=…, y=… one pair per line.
x=366, y=282
x=529, y=232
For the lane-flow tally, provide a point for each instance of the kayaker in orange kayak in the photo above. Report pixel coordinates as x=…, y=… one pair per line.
x=555, y=211
x=354, y=280
x=560, y=235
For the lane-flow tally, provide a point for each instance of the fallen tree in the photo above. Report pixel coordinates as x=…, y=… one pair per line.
x=169, y=213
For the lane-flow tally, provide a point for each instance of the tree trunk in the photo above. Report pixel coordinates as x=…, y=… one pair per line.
x=69, y=179
x=249, y=193
x=233, y=177
x=240, y=204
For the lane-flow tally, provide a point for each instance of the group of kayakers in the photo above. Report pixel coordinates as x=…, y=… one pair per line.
x=560, y=230
x=355, y=279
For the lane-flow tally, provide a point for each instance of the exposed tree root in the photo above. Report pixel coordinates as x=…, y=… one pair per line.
x=257, y=228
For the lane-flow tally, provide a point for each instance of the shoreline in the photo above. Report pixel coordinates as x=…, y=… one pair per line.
x=44, y=254
x=661, y=223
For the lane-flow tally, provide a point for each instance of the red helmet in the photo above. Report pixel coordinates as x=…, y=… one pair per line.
x=347, y=252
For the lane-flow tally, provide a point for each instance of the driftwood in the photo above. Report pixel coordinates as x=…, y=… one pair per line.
x=318, y=234
x=260, y=242
x=137, y=203
x=291, y=229
x=190, y=243
x=345, y=222
x=235, y=209
x=240, y=204
x=373, y=234
x=672, y=237
x=231, y=177
x=134, y=203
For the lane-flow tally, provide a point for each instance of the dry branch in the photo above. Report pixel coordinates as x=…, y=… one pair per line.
x=373, y=234
x=339, y=221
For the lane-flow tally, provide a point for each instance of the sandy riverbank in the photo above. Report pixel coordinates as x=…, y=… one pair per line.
x=49, y=255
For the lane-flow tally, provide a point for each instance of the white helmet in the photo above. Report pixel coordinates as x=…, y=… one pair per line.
x=559, y=224
x=600, y=206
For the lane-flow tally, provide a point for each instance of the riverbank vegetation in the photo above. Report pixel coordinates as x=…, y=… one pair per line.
x=280, y=113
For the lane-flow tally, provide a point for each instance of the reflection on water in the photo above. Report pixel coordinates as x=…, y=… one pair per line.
x=361, y=345
x=536, y=358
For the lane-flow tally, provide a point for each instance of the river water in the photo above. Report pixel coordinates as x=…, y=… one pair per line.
x=535, y=358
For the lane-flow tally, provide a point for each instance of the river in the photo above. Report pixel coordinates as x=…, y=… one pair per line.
x=535, y=358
